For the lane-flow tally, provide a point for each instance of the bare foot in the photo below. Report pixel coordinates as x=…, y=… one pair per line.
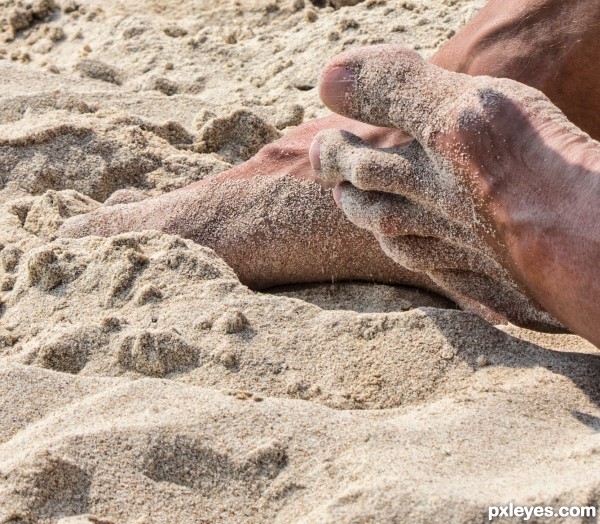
x=497, y=200
x=269, y=218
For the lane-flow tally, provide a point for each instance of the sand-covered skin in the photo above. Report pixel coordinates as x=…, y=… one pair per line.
x=428, y=218
x=142, y=382
x=438, y=198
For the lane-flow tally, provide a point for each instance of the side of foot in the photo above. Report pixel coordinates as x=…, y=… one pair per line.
x=271, y=229
x=510, y=194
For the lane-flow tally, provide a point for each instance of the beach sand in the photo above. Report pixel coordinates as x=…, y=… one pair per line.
x=140, y=381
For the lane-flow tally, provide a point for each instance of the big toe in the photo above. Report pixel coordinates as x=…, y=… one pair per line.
x=104, y=221
x=391, y=86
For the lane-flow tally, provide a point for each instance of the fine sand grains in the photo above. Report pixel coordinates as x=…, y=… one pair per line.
x=140, y=381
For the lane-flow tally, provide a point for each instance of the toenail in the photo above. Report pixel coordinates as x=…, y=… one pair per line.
x=337, y=194
x=336, y=87
x=314, y=155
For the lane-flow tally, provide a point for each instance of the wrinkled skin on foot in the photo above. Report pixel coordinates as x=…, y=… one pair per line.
x=419, y=224
x=493, y=198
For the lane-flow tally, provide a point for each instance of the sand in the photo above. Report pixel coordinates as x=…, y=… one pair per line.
x=142, y=382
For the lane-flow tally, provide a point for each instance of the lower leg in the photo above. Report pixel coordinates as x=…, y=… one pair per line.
x=271, y=230
x=551, y=45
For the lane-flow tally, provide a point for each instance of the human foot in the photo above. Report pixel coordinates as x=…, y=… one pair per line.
x=551, y=45
x=267, y=218
x=500, y=190
x=398, y=195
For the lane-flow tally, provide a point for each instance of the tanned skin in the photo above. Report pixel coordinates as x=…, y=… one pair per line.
x=551, y=45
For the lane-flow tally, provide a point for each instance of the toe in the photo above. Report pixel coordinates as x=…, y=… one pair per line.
x=314, y=155
x=395, y=215
x=125, y=196
x=337, y=193
x=494, y=299
x=429, y=254
x=339, y=156
x=333, y=155
x=336, y=88
x=391, y=86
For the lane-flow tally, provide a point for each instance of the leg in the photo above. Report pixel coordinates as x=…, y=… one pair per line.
x=511, y=193
x=551, y=45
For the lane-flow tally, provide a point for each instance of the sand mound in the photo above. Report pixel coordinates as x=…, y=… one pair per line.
x=122, y=450
x=52, y=150
x=142, y=382
x=145, y=304
x=236, y=137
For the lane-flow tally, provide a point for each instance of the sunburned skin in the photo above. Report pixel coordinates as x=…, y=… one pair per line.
x=271, y=230
x=504, y=187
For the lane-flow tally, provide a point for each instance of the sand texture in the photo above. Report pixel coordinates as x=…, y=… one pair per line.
x=141, y=382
